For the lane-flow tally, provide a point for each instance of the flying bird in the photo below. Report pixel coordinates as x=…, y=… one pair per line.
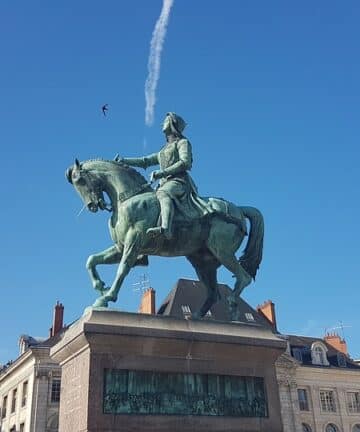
x=105, y=108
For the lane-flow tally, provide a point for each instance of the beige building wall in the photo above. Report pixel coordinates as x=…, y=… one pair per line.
x=14, y=378
x=291, y=376
x=286, y=378
x=35, y=411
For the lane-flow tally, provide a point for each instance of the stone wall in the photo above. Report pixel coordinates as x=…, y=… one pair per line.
x=104, y=340
x=74, y=393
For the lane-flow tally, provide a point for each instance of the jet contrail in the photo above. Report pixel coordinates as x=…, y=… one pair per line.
x=156, y=45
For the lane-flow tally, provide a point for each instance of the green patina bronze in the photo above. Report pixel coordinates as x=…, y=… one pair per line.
x=148, y=392
x=172, y=220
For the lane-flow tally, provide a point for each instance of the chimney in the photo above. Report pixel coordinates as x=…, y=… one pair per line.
x=147, y=304
x=57, y=319
x=267, y=310
x=336, y=342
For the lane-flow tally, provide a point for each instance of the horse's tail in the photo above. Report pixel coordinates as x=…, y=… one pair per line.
x=251, y=258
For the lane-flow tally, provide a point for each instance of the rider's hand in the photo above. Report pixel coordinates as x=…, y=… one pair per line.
x=155, y=175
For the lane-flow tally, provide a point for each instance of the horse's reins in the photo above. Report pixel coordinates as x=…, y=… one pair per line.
x=123, y=196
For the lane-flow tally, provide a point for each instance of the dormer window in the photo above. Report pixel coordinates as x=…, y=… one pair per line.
x=23, y=344
x=249, y=316
x=297, y=353
x=318, y=354
x=186, y=310
x=341, y=359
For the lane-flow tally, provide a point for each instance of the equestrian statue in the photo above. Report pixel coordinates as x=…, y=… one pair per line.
x=170, y=220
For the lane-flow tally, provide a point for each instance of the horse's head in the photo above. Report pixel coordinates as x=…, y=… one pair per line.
x=87, y=185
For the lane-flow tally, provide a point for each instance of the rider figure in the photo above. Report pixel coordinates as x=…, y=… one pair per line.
x=176, y=185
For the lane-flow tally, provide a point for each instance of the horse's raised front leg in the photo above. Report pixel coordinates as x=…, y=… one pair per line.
x=107, y=256
x=130, y=253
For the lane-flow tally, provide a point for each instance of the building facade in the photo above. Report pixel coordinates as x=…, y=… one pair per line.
x=319, y=384
x=30, y=386
x=319, y=388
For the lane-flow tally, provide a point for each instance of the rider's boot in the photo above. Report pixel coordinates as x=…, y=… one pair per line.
x=167, y=214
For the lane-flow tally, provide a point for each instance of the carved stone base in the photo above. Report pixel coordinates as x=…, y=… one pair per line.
x=135, y=372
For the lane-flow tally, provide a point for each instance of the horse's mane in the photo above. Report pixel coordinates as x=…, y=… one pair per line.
x=104, y=164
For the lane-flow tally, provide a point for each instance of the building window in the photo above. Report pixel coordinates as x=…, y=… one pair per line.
x=24, y=393
x=13, y=402
x=341, y=359
x=353, y=402
x=4, y=407
x=331, y=428
x=53, y=424
x=186, y=310
x=297, y=353
x=13, y=429
x=22, y=427
x=249, y=316
x=303, y=400
x=306, y=428
x=55, y=390
x=356, y=428
x=318, y=355
x=327, y=402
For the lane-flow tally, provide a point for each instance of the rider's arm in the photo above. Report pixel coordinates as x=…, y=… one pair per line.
x=142, y=162
x=185, y=159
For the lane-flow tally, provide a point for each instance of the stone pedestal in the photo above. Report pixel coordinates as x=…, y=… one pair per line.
x=106, y=342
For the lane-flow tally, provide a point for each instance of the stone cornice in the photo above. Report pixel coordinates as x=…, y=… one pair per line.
x=19, y=362
x=115, y=323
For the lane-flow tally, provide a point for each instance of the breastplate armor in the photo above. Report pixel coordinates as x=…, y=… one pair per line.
x=168, y=155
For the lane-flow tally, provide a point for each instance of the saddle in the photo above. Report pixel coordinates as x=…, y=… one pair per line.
x=202, y=210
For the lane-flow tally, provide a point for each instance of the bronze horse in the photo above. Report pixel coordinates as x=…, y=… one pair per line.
x=207, y=243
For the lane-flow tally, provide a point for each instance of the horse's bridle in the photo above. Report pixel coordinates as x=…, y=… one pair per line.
x=122, y=196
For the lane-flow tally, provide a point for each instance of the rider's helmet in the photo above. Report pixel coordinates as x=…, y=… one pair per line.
x=177, y=123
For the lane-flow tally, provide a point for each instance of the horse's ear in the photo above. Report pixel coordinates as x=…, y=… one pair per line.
x=77, y=164
x=68, y=174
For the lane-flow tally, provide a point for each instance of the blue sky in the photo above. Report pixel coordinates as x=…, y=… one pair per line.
x=270, y=92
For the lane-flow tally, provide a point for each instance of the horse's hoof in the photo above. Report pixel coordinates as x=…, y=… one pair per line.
x=110, y=298
x=100, y=302
x=104, y=291
x=100, y=287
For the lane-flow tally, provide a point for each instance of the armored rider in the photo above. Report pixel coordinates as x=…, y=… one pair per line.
x=176, y=187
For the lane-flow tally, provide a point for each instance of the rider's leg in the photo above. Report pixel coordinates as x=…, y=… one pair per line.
x=167, y=214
